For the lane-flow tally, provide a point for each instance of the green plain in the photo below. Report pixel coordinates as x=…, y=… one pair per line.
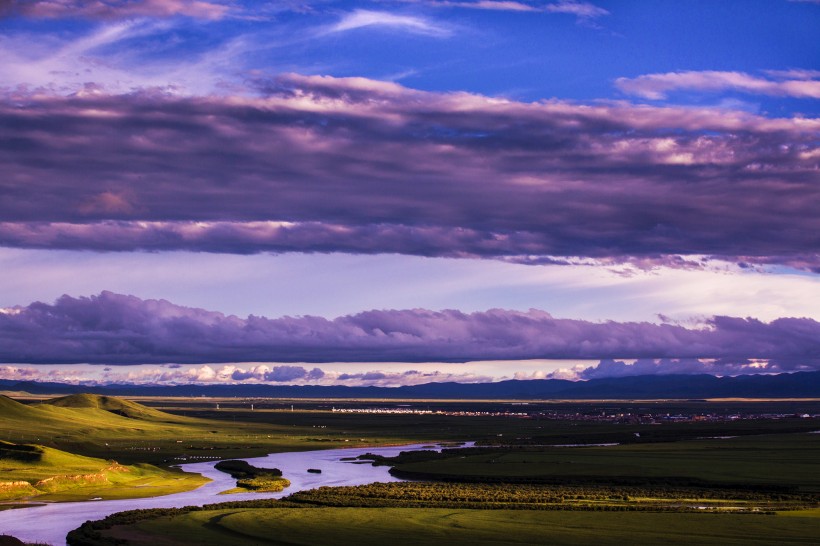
x=782, y=460
x=413, y=526
x=772, y=456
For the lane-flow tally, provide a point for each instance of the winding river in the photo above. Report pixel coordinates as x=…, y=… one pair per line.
x=51, y=522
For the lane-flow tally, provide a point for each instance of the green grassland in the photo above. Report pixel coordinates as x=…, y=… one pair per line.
x=184, y=430
x=618, y=494
x=46, y=474
x=251, y=478
x=320, y=423
x=779, y=461
x=495, y=496
x=410, y=526
x=128, y=432
x=179, y=430
x=259, y=484
x=752, y=489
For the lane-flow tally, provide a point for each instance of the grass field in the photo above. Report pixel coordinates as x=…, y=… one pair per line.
x=413, y=526
x=771, y=460
x=111, y=428
x=47, y=474
x=771, y=463
x=193, y=429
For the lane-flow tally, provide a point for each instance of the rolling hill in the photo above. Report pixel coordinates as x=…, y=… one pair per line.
x=112, y=405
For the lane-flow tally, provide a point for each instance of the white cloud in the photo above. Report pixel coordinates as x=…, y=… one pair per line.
x=503, y=6
x=365, y=18
x=788, y=83
x=582, y=10
x=65, y=64
x=494, y=5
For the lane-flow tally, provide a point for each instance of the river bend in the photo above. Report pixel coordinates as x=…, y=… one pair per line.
x=50, y=523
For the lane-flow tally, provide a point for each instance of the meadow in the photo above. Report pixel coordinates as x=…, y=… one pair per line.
x=787, y=462
x=280, y=523
x=750, y=479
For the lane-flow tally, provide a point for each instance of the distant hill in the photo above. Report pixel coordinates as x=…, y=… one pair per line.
x=12, y=409
x=88, y=412
x=111, y=404
x=785, y=385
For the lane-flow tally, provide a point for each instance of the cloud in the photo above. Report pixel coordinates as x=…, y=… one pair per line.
x=493, y=5
x=19, y=373
x=688, y=366
x=408, y=171
x=582, y=10
x=116, y=329
x=791, y=83
x=98, y=62
x=365, y=18
x=285, y=373
x=377, y=378
x=113, y=9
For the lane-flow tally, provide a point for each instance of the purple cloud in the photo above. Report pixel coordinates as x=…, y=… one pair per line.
x=281, y=374
x=321, y=164
x=649, y=366
x=117, y=329
x=111, y=9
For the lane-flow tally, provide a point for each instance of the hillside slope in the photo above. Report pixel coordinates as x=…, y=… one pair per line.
x=113, y=405
x=30, y=471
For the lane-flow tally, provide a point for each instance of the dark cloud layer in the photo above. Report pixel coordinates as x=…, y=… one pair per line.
x=117, y=329
x=320, y=164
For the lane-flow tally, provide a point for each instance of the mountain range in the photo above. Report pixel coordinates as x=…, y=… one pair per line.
x=784, y=385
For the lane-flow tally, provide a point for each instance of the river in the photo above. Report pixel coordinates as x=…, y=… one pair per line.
x=51, y=522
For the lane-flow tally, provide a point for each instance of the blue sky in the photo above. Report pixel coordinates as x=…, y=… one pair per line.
x=601, y=161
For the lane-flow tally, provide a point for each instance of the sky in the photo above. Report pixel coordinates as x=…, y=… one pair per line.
x=391, y=192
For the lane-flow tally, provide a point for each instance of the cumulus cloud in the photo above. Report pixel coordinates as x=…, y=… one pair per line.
x=791, y=83
x=25, y=373
x=116, y=329
x=407, y=171
x=690, y=366
x=111, y=9
x=378, y=378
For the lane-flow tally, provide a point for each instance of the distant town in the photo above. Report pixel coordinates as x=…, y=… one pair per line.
x=595, y=416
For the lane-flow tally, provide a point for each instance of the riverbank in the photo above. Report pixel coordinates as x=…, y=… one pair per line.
x=27, y=524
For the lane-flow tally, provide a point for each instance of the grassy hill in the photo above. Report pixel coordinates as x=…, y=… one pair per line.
x=107, y=427
x=105, y=410
x=29, y=471
x=11, y=409
x=113, y=405
x=99, y=426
